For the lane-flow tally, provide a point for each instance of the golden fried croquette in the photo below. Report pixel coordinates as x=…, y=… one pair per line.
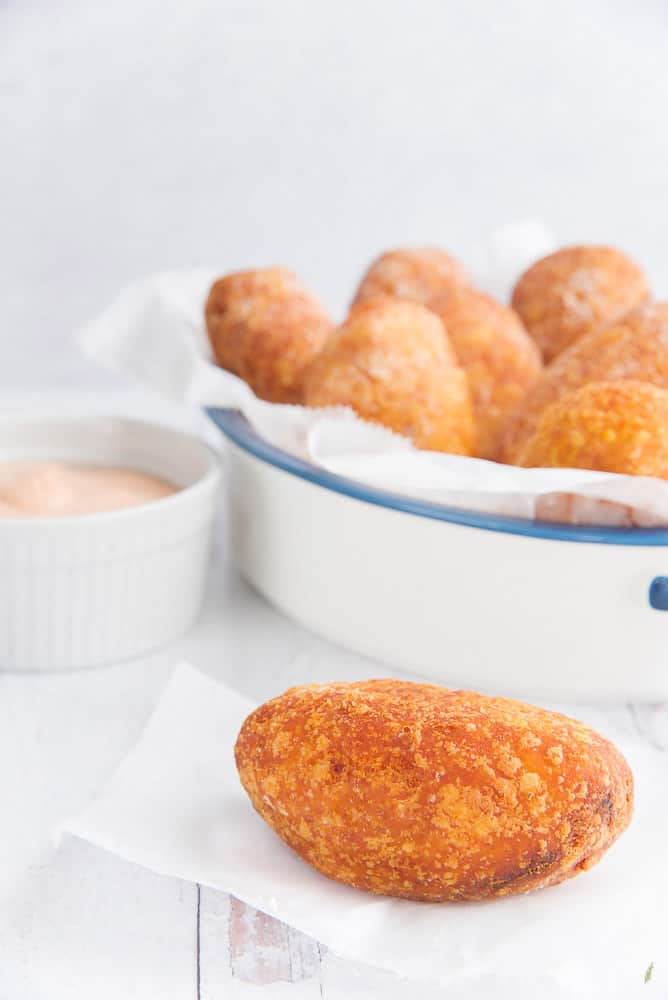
x=575, y=291
x=392, y=363
x=266, y=327
x=605, y=426
x=497, y=354
x=636, y=347
x=417, y=274
x=413, y=790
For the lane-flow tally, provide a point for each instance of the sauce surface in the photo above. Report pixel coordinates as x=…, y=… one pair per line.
x=64, y=489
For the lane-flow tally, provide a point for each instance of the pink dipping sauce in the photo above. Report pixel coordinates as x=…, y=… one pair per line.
x=64, y=489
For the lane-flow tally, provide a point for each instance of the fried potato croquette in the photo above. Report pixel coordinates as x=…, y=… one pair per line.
x=575, y=291
x=634, y=348
x=417, y=274
x=391, y=361
x=497, y=354
x=605, y=426
x=266, y=327
x=413, y=790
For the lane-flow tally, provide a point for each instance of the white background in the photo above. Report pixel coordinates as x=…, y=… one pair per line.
x=140, y=135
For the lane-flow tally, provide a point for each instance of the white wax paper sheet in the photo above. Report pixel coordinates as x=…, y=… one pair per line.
x=175, y=805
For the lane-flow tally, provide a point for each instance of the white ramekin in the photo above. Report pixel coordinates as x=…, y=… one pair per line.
x=101, y=588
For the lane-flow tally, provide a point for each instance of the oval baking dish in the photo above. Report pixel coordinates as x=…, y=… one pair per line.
x=498, y=603
x=84, y=590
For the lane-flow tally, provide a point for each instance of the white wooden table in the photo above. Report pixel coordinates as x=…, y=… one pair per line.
x=76, y=922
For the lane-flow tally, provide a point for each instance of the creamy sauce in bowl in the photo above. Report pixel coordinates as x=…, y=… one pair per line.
x=67, y=489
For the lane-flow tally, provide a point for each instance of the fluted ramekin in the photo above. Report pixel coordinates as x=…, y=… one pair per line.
x=100, y=588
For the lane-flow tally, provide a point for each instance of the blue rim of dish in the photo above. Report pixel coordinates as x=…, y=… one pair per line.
x=235, y=427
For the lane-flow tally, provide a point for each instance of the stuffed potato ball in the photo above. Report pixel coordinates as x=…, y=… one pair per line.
x=575, y=291
x=606, y=426
x=636, y=347
x=391, y=361
x=500, y=359
x=264, y=326
x=414, y=790
x=417, y=274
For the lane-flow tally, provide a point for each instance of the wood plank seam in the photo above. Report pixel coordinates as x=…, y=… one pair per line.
x=198, y=941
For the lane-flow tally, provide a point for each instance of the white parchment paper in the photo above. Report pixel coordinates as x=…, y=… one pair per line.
x=175, y=805
x=155, y=332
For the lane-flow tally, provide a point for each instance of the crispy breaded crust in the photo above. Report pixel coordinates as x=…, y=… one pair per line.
x=636, y=347
x=574, y=291
x=418, y=274
x=499, y=357
x=266, y=327
x=391, y=361
x=414, y=790
x=606, y=426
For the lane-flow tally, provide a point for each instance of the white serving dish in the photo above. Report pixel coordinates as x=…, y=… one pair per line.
x=100, y=588
x=469, y=599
